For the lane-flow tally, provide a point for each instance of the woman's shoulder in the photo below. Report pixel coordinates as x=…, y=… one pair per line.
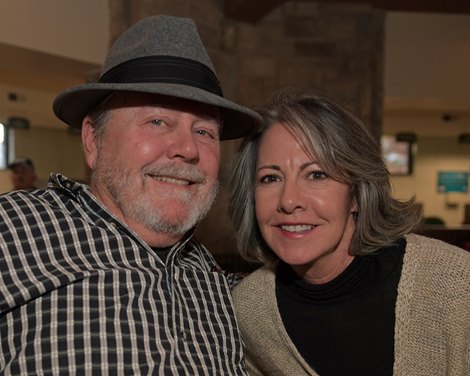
x=436, y=262
x=256, y=283
x=433, y=307
x=435, y=250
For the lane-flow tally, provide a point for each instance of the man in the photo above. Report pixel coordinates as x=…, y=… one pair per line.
x=107, y=279
x=23, y=174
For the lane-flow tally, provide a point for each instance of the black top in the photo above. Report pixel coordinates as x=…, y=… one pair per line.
x=346, y=326
x=162, y=252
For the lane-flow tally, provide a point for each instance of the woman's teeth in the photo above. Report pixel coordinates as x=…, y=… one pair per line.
x=296, y=228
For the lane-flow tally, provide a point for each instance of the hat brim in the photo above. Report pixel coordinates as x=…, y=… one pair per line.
x=73, y=104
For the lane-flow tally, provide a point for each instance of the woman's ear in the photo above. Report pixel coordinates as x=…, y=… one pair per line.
x=90, y=146
x=354, y=208
x=354, y=205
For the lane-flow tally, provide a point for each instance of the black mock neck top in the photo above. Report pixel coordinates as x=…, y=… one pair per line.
x=346, y=326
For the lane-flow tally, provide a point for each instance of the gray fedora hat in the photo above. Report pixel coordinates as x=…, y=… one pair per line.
x=158, y=55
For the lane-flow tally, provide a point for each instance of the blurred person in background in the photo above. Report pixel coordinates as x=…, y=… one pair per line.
x=23, y=174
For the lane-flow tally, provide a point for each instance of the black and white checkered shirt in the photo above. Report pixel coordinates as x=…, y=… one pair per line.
x=81, y=294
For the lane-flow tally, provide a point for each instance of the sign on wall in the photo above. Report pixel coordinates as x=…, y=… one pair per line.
x=452, y=181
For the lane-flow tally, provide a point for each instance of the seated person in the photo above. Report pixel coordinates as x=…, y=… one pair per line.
x=347, y=288
x=23, y=174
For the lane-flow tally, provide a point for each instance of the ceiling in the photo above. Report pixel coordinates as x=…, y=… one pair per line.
x=34, y=77
x=29, y=81
x=38, y=70
x=254, y=10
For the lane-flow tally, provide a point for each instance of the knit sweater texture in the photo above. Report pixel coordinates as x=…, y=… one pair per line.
x=432, y=324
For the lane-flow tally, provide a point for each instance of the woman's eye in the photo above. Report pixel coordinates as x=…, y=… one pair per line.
x=266, y=179
x=317, y=175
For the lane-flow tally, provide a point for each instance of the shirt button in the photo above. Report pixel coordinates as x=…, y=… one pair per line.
x=216, y=269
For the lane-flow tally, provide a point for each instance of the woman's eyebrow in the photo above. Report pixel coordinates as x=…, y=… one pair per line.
x=269, y=167
x=305, y=165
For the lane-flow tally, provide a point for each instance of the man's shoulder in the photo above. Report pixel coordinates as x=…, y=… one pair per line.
x=20, y=196
x=24, y=202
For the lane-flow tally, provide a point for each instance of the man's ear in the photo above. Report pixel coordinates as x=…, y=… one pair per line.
x=90, y=147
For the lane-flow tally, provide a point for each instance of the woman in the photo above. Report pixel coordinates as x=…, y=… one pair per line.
x=346, y=288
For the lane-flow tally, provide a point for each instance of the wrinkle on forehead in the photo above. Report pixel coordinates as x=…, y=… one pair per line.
x=135, y=99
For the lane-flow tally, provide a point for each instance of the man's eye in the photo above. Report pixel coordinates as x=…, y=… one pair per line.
x=207, y=135
x=202, y=132
x=157, y=122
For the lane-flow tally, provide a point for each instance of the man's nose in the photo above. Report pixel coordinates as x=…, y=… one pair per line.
x=183, y=144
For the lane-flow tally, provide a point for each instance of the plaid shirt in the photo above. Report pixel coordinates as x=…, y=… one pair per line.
x=80, y=293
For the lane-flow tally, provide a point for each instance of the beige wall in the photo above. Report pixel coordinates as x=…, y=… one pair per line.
x=427, y=56
x=433, y=154
x=77, y=29
x=38, y=32
x=426, y=76
x=52, y=150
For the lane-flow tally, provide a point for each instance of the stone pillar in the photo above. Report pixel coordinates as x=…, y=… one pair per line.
x=336, y=49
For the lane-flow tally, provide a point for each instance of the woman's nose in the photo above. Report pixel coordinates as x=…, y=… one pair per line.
x=290, y=199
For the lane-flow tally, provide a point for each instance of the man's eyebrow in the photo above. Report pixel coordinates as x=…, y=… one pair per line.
x=216, y=119
x=211, y=118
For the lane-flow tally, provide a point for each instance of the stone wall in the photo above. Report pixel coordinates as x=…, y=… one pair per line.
x=337, y=49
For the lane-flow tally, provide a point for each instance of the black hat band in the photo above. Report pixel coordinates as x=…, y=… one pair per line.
x=164, y=69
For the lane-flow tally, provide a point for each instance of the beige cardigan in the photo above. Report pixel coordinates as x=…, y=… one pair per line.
x=432, y=327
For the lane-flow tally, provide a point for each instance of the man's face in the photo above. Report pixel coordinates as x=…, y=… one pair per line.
x=23, y=177
x=156, y=165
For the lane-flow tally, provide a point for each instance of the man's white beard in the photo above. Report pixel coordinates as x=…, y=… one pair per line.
x=132, y=204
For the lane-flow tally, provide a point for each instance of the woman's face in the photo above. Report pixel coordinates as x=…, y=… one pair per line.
x=304, y=216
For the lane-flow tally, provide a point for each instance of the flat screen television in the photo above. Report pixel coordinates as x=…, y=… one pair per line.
x=397, y=155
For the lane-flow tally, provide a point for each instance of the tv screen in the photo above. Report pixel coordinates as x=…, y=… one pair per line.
x=397, y=155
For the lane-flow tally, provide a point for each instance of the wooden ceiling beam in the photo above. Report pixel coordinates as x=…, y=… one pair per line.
x=424, y=6
x=250, y=10
x=254, y=10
